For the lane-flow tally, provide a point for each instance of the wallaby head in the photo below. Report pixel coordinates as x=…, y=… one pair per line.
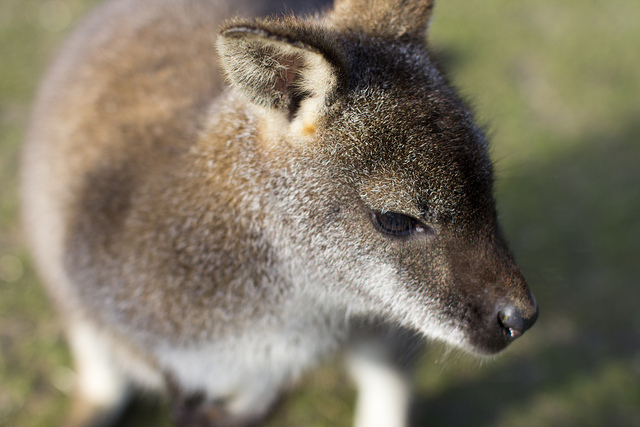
x=390, y=179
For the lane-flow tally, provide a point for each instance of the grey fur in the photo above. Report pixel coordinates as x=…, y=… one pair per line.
x=220, y=241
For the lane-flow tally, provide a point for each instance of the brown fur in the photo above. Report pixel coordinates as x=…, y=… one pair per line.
x=171, y=215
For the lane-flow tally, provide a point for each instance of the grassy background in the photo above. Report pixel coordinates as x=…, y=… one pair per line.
x=558, y=85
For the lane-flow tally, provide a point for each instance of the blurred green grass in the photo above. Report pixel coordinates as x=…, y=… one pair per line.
x=558, y=86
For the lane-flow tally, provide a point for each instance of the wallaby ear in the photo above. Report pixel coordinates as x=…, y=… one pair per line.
x=278, y=64
x=396, y=19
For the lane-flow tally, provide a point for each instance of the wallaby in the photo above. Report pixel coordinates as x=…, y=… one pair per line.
x=214, y=242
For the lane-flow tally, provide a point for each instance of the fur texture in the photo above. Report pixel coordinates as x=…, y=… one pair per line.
x=217, y=242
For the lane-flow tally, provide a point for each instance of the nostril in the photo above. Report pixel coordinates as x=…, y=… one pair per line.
x=515, y=322
x=511, y=324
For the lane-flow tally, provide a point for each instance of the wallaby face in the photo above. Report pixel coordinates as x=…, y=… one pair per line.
x=403, y=191
x=218, y=243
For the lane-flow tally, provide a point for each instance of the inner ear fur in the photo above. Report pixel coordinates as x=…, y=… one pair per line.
x=279, y=63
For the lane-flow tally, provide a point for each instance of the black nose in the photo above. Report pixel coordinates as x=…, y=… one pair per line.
x=515, y=320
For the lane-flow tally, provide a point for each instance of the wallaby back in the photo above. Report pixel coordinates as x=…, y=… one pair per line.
x=219, y=241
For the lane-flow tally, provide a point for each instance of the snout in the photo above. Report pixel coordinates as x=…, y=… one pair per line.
x=514, y=319
x=498, y=305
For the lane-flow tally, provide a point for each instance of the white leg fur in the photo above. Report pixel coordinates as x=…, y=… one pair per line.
x=384, y=392
x=252, y=404
x=101, y=388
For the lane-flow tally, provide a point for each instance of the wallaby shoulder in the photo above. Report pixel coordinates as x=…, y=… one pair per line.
x=136, y=78
x=115, y=151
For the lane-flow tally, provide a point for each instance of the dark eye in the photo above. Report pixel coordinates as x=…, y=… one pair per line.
x=396, y=224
